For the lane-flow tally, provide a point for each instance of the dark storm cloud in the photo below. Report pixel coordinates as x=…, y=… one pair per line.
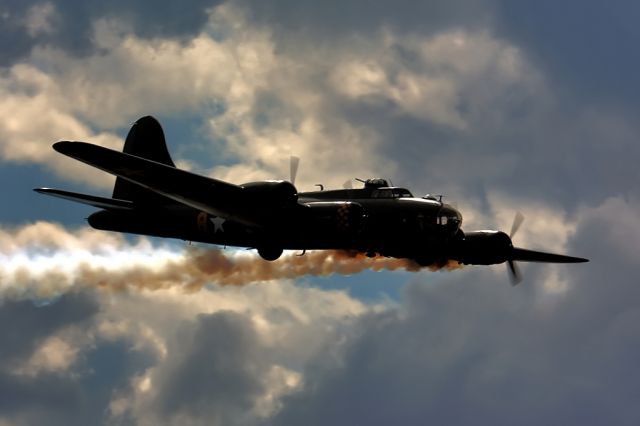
x=79, y=394
x=559, y=155
x=216, y=370
x=523, y=143
x=588, y=47
x=72, y=20
x=556, y=144
x=560, y=151
x=480, y=352
x=330, y=19
x=48, y=397
x=14, y=40
x=538, y=137
x=467, y=349
x=23, y=324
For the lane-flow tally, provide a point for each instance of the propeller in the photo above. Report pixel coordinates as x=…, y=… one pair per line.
x=514, y=272
x=517, y=221
x=294, y=162
x=348, y=184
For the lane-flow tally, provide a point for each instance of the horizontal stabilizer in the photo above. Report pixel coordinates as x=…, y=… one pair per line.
x=200, y=192
x=525, y=255
x=92, y=200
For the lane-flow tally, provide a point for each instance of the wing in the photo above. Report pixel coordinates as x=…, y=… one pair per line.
x=213, y=196
x=525, y=255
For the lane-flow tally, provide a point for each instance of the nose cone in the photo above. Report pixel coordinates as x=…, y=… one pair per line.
x=485, y=247
x=503, y=241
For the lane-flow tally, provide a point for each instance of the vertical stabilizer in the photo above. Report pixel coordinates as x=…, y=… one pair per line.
x=146, y=140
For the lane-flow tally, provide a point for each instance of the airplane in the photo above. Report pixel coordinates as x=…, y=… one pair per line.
x=153, y=197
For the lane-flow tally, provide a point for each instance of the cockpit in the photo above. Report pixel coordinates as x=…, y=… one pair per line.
x=391, y=193
x=449, y=218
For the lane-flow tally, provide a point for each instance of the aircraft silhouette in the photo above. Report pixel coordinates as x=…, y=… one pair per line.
x=153, y=197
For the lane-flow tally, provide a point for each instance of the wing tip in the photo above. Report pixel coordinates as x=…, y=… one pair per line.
x=526, y=255
x=573, y=259
x=45, y=190
x=62, y=146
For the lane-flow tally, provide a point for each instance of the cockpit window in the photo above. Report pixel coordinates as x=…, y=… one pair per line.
x=450, y=219
x=382, y=193
x=402, y=193
x=391, y=193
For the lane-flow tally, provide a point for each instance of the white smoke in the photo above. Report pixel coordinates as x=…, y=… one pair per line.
x=44, y=260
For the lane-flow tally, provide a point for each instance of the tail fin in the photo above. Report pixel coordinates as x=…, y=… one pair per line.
x=146, y=140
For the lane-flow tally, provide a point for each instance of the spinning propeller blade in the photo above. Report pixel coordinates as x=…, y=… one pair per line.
x=517, y=221
x=514, y=272
x=294, y=162
x=526, y=255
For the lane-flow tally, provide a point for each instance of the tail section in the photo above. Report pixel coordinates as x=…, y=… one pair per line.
x=146, y=140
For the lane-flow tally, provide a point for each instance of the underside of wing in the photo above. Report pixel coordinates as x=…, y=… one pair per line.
x=91, y=200
x=210, y=195
x=524, y=255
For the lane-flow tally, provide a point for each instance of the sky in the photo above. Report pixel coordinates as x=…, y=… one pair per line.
x=502, y=106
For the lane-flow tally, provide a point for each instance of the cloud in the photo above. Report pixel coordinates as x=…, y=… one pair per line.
x=40, y=19
x=38, y=324
x=67, y=25
x=35, y=118
x=33, y=377
x=275, y=352
x=466, y=346
x=475, y=349
x=55, y=103
x=457, y=92
x=67, y=97
x=587, y=51
x=325, y=22
x=53, y=355
x=261, y=102
x=219, y=385
x=405, y=104
x=434, y=79
x=233, y=352
x=499, y=106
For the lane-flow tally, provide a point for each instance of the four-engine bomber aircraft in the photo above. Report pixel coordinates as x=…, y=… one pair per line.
x=153, y=197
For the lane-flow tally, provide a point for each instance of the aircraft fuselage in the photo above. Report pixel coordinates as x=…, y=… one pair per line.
x=342, y=219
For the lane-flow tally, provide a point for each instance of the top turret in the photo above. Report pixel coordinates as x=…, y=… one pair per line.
x=376, y=183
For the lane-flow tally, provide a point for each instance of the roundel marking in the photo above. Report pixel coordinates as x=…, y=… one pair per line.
x=202, y=222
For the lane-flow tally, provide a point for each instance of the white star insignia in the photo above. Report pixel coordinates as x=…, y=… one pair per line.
x=217, y=224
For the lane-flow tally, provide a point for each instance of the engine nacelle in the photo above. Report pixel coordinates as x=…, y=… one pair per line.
x=483, y=248
x=274, y=192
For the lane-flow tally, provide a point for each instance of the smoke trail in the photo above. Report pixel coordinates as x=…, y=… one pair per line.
x=44, y=260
